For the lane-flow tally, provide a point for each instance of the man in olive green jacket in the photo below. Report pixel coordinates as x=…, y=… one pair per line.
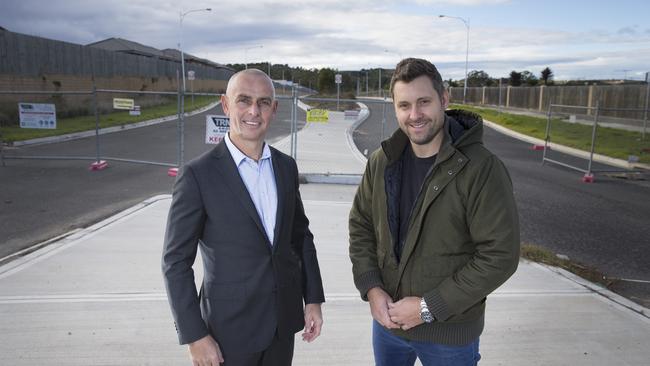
x=433, y=227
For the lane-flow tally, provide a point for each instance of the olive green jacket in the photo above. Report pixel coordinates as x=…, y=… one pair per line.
x=463, y=235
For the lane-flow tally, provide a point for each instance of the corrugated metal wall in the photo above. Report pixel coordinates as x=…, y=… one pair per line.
x=26, y=55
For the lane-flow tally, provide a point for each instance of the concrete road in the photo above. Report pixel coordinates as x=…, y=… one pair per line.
x=40, y=199
x=604, y=225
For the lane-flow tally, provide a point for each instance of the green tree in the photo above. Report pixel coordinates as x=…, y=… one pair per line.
x=547, y=76
x=515, y=78
x=452, y=83
x=479, y=78
x=326, y=83
x=528, y=78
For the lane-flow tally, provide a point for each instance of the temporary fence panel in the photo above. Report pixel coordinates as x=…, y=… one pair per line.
x=562, y=117
x=93, y=114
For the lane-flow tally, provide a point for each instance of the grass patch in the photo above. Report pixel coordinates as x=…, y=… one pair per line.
x=541, y=255
x=117, y=118
x=611, y=142
x=331, y=106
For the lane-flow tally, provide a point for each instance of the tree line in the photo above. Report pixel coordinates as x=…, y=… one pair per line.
x=516, y=78
x=370, y=80
x=323, y=80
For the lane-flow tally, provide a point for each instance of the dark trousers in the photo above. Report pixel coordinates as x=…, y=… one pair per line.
x=279, y=353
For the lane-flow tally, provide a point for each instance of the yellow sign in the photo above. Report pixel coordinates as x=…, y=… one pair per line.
x=318, y=115
x=121, y=103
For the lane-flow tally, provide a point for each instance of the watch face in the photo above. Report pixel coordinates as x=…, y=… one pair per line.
x=426, y=317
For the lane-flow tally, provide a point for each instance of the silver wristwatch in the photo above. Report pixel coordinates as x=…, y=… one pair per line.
x=425, y=314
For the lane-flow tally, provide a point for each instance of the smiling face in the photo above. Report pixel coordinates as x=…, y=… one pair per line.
x=420, y=114
x=250, y=103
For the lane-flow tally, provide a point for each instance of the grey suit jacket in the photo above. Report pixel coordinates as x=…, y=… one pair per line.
x=250, y=287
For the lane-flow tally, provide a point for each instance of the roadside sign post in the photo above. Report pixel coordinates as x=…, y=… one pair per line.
x=190, y=77
x=338, y=78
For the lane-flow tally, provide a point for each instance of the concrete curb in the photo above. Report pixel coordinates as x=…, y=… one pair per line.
x=602, y=291
x=102, y=131
x=565, y=149
x=364, y=113
x=40, y=251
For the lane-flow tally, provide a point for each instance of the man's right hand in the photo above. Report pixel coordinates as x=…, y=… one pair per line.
x=205, y=352
x=379, y=300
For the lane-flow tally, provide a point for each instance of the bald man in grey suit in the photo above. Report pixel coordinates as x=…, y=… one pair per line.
x=239, y=204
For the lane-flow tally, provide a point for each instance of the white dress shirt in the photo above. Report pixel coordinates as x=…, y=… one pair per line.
x=260, y=182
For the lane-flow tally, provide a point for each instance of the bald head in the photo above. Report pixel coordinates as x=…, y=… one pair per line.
x=248, y=74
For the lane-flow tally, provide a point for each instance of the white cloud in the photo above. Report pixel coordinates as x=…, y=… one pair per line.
x=333, y=33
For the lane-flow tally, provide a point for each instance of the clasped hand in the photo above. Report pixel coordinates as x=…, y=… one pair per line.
x=404, y=314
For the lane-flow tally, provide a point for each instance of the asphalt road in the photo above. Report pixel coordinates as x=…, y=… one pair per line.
x=40, y=199
x=605, y=225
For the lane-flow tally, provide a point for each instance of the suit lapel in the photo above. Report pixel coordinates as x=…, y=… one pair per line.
x=281, y=179
x=230, y=176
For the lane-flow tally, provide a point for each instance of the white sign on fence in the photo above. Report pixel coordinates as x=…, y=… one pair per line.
x=190, y=75
x=34, y=115
x=216, y=127
x=338, y=78
x=123, y=103
x=135, y=111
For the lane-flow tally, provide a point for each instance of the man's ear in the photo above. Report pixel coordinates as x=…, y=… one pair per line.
x=224, y=103
x=445, y=99
x=275, y=107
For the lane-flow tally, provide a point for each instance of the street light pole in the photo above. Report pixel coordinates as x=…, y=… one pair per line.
x=181, y=94
x=397, y=53
x=182, y=15
x=246, y=54
x=466, y=22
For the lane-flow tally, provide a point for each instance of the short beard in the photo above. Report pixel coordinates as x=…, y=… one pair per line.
x=429, y=137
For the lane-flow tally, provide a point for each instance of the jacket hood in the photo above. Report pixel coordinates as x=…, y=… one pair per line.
x=462, y=128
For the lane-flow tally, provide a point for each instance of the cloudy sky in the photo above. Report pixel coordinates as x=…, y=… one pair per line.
x=576, y=39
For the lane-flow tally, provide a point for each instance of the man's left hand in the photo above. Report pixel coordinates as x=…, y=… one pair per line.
x=313, y=322
x=406, y=312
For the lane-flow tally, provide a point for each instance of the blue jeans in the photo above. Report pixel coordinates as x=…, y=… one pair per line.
x=391, y=350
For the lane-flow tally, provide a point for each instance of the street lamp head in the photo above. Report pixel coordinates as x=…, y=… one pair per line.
x=441, y=16
x=208, y=9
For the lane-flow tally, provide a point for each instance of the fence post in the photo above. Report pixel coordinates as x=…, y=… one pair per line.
x=483, y=96
x=500, y=93
x=179, y=156
x=182, y=127
x=589, y=99
x=294, y=124
x=541, y=97
x=97, y=153
x=547, y=139
x=593, y=140
x=645, y=110
x=383, y=119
